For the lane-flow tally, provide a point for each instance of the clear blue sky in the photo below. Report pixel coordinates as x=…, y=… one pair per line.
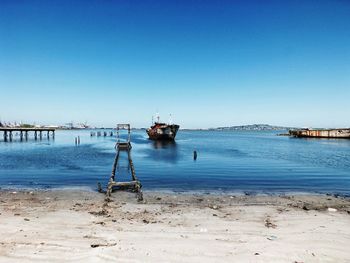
x=208, y=63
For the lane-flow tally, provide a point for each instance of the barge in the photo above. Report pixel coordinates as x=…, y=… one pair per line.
x=341, y=133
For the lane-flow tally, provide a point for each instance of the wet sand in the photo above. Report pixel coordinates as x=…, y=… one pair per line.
x=83, y=226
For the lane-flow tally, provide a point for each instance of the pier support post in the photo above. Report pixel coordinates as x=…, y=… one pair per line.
x=40, y=134
x=5, y=136
x=21, y=135
x=35, y=135
x=48, y=135
x=10, y=136
x=26, y=135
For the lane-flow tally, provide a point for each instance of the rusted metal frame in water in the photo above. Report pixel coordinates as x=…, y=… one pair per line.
x=135, y=183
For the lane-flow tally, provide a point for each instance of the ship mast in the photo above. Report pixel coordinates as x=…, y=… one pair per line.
x=170, y=120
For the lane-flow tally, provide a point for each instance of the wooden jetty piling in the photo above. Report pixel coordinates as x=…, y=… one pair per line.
x=102, y=133
x=24, y=133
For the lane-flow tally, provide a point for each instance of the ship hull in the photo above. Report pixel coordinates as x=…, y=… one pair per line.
x=163, y=132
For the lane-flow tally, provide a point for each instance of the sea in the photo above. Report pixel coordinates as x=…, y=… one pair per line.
x=242, y=162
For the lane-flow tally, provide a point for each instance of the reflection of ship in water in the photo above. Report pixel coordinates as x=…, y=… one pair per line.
x=162, y=131
x=164, y=151
x=160, y=144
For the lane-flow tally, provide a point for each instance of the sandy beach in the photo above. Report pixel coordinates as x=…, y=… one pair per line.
x=84, y=226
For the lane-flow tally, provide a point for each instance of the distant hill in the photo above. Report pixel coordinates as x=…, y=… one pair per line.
x=253, y=127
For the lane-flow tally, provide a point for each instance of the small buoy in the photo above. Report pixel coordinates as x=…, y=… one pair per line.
x=195, y=155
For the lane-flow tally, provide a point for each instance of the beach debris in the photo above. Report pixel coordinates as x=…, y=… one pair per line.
x=332, y=209
x=102, y=212
x=305, y=208
x=269, y=223
x=256, y=254
x=215, y=207
x=14, y=193
x=26, y=219
x=100, y=223
x=99, y=187
x=103, y=245
x=271, y=238
x=203, y=230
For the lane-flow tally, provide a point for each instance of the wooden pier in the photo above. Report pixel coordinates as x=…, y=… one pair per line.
x=24, y=133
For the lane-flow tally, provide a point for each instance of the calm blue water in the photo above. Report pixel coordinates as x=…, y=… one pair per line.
x=227, y=161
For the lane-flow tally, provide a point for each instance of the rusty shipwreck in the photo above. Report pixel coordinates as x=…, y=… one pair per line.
x=340, y=133
x=163, y=131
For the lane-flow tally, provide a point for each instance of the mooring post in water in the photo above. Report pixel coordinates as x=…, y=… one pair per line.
x=194, y=155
